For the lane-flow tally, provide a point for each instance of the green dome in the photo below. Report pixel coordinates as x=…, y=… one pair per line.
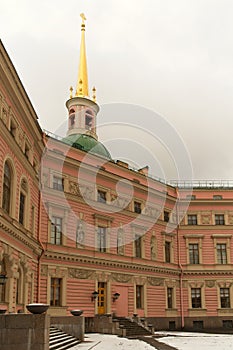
x=88, y=144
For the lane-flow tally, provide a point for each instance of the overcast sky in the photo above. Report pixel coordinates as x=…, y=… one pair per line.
x=174, y=57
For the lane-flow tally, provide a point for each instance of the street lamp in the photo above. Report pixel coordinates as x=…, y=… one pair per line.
x=3, y=279
x=94, y=295
x=116, y=296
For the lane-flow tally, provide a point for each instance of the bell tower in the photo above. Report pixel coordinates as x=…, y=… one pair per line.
x=81, y=107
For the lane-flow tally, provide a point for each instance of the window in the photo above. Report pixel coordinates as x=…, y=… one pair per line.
x=192, y=219
x=196, y=298
x=167, y=252
x=190, y=196
x=138, y=246
x=58, y=183
x=56, y=230
x=139, y=297
x=72, y=117
x=225, y=297
x=193, y=253
x=166, y=216
x=137, y=207
x=22, y=201
x=55, y=292
x=216, y=196
x=219, y=219
x=101, y=196
x=23, y=218
x=227, y=324
x=101, y=239
x=170, y=298
x=120, y=242
x=221, y=253
x=7, y=183
x=88, y=120
x=198, y=325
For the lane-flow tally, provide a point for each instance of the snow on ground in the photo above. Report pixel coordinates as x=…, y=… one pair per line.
x=197, y=341
x=110, y=342
x=180, y=340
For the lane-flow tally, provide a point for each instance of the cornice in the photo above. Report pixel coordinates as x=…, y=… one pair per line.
x=72, y=258
x=14, y=230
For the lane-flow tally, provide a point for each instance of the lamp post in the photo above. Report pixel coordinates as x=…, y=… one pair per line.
x=116, y=296
x=94, y=295
x=3, y=279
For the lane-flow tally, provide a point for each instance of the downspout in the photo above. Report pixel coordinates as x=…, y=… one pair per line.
x=179, y=260
x=39, y=234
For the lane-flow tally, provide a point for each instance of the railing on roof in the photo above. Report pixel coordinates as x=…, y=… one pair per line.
x=202, y=184
x=54, y=136
x=205, y=184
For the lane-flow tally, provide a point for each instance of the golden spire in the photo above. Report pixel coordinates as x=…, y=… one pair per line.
x=82, y=85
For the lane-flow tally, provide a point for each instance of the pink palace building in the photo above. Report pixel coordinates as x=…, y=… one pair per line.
x=69, y=238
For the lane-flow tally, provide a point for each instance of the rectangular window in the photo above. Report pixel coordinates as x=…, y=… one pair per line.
x=137, y=207
x=138, y=246
x=221, y=253
x=56, y=230
x=101, y=239
x=166, y=216
x=193, y=253
x=101, y=196
x=55, y=292
x=216, y=196
x=139, y=297
x=192, y=219
x=196, y=298
x=170, y=298
x=58, y=183
x=21, y=208
x=219, y=219
x=167, y=252
x=225, y=297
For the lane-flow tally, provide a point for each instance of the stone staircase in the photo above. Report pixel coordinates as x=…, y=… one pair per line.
x=132, y=328
x=59, y=340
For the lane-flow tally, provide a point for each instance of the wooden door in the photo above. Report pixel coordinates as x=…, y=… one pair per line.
x=102, y=298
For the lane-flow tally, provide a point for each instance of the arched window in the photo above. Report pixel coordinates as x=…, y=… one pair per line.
x=7, y=184
x=23, y=201
x=88, y=120
x=72, y=117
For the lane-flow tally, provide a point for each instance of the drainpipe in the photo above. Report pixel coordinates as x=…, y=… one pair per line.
x=179, y=260
x=39, y=232
x=43, y=249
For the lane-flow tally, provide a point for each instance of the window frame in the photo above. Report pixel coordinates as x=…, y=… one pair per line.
x=225, y=300
x=101, y=239
x=139, y=291
x=54, y=301
x=54, y=233
x=219, y=219
x=194, y=258
x=196, y=298
x=192, y=219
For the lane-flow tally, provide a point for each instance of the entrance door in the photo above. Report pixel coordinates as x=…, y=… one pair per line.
x=101, y=298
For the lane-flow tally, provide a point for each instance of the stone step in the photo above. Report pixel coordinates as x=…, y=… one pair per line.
x=59, y=340
x=132, y=327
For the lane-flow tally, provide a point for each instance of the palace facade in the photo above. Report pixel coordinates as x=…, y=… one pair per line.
x=81, y=230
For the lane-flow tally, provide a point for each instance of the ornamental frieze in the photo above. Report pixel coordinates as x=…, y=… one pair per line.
x=73, y=188
x=80, y=274
x=121, y=278
x=210, y=283
x=206, y=219
x=154, y=281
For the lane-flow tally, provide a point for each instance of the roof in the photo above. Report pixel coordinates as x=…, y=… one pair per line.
x=87, y=143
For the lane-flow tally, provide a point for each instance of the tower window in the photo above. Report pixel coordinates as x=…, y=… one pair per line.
x=88, y=120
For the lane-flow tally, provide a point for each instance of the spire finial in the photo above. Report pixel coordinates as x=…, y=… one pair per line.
x=82, y=90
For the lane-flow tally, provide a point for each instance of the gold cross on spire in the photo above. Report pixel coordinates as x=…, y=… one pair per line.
x=83, y=17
